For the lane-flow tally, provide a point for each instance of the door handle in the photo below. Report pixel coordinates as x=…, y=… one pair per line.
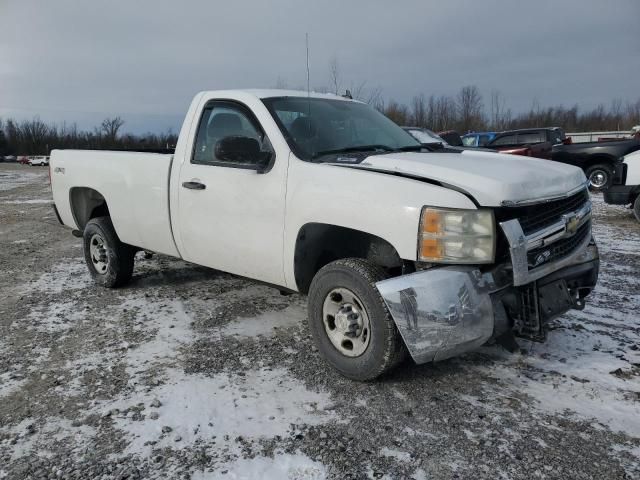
x=194, y=185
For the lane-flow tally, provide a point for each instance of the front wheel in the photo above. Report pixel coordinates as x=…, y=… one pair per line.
x=349, y=320
x=110, y=261
x=636, y=208
x=599, y=176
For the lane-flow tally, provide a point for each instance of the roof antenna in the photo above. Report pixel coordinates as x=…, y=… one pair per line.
x=308, y=88
x=308, y=91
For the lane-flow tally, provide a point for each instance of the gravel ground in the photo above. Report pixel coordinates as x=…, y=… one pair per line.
x=192, y=373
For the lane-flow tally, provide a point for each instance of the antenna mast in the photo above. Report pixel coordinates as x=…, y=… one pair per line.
x=308, y=90
x=307, y=42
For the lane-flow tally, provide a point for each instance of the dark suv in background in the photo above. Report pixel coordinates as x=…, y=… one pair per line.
x=531, y=142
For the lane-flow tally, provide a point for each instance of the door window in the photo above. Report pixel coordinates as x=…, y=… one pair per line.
x=506, y=140
x=222, y=120
x=533, y=137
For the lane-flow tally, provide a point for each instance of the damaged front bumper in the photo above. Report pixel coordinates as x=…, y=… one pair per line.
x=444, y=312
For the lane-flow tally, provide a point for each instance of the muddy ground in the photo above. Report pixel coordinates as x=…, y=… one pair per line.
x=192, y=373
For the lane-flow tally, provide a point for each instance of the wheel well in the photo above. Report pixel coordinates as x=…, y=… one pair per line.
x=87, y=203
x=318, y=244
x=601, y=159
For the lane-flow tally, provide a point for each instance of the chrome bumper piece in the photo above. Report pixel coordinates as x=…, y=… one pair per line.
x=520, y=244
x=441, y=312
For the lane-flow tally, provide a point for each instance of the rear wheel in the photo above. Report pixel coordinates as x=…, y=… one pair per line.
x=110, y=261
x=349, y=320
x=636, y=208
x=600, y=177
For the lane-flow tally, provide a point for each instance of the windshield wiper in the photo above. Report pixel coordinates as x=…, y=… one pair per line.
x=409, y=148
x=359, y=148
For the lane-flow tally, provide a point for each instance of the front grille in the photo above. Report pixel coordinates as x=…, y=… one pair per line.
x=559, y=249
x=536, y=217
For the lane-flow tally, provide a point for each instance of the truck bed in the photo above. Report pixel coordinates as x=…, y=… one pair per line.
x=136, y=184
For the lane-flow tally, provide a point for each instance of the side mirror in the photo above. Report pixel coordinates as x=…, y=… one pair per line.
x=243, y=150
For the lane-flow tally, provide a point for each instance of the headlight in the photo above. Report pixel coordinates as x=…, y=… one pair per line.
x=456, y=236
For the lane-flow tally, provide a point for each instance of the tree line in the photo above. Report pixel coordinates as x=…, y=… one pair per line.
x=35, y=137
x=466, y=111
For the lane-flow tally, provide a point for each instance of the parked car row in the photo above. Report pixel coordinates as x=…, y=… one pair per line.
x=435, y=142
x=39, y=160
x=598, y=160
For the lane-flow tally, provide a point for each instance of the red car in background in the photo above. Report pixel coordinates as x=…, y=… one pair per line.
x=531, y=142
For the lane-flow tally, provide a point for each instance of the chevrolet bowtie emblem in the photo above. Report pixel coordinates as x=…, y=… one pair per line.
x=571, y=223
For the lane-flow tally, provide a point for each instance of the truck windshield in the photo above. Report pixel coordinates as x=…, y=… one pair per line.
x=318, y=129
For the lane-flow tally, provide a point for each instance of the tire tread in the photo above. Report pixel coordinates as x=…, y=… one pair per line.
x=395, y=350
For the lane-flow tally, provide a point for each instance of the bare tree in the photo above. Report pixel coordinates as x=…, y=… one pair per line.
x=419, y=111
x=397, y=112
x=616, y=112
x=470, y=108
x=334, y=74
x=373, y=97
x=445, y=113
x=110, y=127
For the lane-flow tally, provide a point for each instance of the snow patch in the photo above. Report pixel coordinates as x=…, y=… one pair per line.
x=397, y=454
x=9, y=383
x=33, y=201
x=11, y=180
x=262, y=403
x=265, y=323
x=43, y=440
x=573, y=372
x=281, y=467
x=168, y=327
x=70, y=275
x=56, y=317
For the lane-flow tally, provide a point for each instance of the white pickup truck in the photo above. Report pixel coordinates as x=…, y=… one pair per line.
x=399, y=250
x=626, y=183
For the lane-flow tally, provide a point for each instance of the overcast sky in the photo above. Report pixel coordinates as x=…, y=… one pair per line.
x=143, y=60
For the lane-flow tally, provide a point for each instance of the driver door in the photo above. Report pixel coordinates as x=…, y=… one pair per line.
x=231, y=217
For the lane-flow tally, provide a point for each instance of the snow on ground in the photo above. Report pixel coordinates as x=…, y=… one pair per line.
x=397, y=454
x=281, y=466
x=18, y=178
x=41, y=441
x=71, y=274
x=32, y=201
x=264, y=324
x=193, y=372
x=55, y=316
x=589, y=366
x=198, y=409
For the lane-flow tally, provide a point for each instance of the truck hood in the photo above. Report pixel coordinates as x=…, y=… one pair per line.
x=492, y=179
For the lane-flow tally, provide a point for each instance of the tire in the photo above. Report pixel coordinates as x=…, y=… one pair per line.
x=110, y=262
x=636, y=208
x=600, y=177
x=383, y=346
